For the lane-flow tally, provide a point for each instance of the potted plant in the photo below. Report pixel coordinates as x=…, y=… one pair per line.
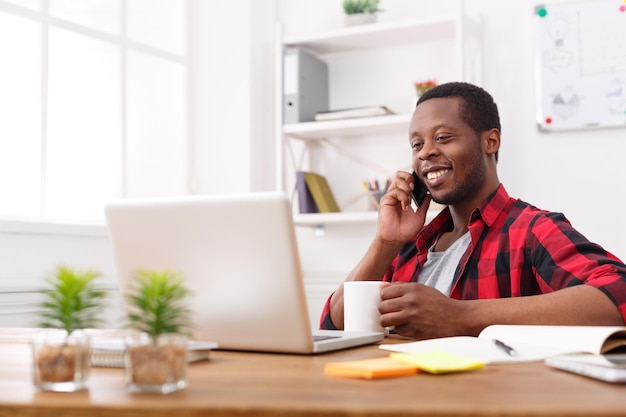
x=423, y=86
x=360, y=11
x=70, y=304
x=156, y=358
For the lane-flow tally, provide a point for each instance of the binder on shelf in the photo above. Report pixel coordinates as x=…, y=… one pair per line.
x=322, y=195
x=305, y=86
x=306, y=203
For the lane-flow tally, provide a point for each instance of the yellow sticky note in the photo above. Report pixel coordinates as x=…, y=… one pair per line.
x=370, y=368
x=438, y=362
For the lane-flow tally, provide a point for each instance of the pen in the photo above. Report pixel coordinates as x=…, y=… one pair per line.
x=508, y=349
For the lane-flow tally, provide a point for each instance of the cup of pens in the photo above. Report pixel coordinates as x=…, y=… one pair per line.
x=374, y=193
x=373, y=200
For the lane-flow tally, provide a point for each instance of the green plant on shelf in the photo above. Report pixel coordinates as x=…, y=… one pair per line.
x=360, y=6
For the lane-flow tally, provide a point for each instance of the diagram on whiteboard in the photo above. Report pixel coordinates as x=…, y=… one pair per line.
x=565, y=104
x=616, y=96
x=581, y=64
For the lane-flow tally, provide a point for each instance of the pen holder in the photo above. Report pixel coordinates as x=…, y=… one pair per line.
x=373, y=200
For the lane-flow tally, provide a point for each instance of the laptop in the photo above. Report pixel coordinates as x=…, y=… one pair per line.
x=239, y=257
x=610, y=367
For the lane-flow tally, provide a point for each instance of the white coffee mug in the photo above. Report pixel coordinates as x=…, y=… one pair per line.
x=360, y=306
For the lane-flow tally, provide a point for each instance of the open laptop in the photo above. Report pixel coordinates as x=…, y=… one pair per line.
x=238, y=254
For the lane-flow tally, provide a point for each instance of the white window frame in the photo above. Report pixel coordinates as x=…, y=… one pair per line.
x=125, y=45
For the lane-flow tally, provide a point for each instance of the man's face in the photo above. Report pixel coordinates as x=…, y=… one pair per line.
x=447, y=153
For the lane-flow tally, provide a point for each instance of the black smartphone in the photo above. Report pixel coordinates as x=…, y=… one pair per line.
x=419, y=190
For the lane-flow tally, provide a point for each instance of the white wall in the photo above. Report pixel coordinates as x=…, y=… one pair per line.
x=233, y=48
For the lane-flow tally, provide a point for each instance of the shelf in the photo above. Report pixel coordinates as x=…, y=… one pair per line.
x=321, y=219
x=379, y=125
x=375, y=35
x=318, y=219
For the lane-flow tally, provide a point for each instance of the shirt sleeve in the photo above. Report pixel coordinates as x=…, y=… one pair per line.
x=325, y=322
x=563, y=257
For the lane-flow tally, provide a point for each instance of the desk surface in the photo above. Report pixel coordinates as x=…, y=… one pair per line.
x=258, y=384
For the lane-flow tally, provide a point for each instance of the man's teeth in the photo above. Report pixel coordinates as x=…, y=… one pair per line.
x=436, y=174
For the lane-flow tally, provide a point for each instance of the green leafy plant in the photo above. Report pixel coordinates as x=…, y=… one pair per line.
x=360, y=6
x=72, y=302
x=156, y=299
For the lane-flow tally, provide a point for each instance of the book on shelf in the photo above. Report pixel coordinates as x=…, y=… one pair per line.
x=355, y=112
x=109, y=352
x=320, y=190
x=306, y=203
x=523, y=343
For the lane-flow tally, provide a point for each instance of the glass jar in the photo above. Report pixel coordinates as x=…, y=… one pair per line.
x=60, y=361
x=156, y=364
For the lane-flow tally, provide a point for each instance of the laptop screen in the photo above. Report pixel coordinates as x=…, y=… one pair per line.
x=238, y=255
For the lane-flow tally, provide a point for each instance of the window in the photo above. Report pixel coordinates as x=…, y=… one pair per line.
x=94, y=104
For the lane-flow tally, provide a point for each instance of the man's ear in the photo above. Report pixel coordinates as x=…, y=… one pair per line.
x=491, y=141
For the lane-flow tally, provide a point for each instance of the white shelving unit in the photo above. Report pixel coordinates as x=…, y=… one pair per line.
x=370, y=36
x=348, y=128
x=297, y=144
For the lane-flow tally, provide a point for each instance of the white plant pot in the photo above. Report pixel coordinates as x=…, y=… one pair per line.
x=360, y=18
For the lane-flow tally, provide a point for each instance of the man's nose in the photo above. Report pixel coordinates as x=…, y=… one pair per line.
x=429, y=148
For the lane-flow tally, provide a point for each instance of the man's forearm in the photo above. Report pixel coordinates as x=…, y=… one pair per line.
x=578, y=305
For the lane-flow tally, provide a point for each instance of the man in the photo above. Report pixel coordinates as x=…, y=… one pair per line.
x=486, y=258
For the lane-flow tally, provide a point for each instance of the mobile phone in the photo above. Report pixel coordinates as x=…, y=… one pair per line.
x=419, y=190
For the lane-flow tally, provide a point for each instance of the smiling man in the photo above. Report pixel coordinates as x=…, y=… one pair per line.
x=486, y=258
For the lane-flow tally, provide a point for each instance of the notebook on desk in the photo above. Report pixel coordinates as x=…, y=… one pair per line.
x=239, y=256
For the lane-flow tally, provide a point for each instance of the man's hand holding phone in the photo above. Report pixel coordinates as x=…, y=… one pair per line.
x=397, y=221
x=419, y=190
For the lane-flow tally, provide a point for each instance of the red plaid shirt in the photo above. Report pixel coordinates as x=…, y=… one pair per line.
x=516, y=250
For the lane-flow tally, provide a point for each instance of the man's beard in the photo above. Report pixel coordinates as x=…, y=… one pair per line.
x=465, y=190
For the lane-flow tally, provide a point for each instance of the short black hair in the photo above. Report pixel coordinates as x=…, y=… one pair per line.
x=477, y=107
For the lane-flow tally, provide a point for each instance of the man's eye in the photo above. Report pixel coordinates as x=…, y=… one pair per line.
x=416, y=145
x=442, y=138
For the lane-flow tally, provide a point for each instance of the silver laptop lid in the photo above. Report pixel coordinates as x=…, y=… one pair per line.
x=239, y=257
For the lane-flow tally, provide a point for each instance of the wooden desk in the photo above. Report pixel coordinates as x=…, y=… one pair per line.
x=255, y=384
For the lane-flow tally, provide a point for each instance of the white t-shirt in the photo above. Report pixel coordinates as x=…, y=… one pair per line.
x=438, y=271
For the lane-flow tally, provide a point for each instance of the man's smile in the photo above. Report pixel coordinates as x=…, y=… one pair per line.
x=436, y=176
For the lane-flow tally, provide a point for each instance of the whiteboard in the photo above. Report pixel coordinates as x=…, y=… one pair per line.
x=581, y=64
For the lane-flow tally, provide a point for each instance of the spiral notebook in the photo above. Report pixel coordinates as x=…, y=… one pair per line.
x=109, y=352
